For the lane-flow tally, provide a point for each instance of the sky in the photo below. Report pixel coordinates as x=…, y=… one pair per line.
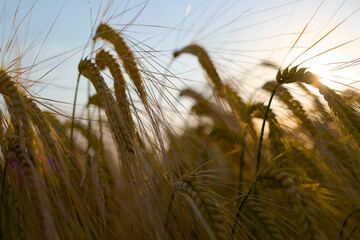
x=52, y=36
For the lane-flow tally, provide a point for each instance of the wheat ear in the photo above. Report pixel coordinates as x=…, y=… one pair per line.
x=222, y=90
x=255, y=211
x=35, y=188
x=130, y=64
x=304, y=208
x=319, y=106
x=258, y=159
x=206, y=204
x=122, y=137
x=90, y=71
x=3, y=140
x=46, y=132
x=204, y=107
x=295, y=106
x=105, y=59
x=345, y=113
x=207, y=65
x=126, y=55
x=95, y=101
x=8, y=88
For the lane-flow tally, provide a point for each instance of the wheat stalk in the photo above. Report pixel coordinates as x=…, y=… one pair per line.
x=276, y=133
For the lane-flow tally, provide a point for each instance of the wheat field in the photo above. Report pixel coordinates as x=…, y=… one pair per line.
x=184, y=142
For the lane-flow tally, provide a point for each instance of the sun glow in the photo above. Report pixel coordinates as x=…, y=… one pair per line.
x=328, y=69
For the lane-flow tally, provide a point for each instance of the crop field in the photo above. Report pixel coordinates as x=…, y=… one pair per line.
x=184, y=120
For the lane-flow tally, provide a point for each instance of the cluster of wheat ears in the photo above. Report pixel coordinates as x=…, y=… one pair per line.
x=222, y=178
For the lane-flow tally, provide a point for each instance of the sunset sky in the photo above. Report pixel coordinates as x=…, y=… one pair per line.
x=52, y=36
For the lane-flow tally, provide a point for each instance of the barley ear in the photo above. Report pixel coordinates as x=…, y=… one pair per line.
x=345, y=113
x=126, y=55
x=206, y=204
x=105, y=59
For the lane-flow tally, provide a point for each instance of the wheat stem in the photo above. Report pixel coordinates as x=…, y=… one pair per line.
x=258, y=158
x=239, y=210
x=73, y=112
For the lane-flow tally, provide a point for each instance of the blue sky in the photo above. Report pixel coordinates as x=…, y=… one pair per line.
x=53, y=35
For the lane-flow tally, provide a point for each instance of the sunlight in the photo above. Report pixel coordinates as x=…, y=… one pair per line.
x=327, y=68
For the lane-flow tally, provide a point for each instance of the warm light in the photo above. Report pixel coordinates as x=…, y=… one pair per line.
x=327, y=68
